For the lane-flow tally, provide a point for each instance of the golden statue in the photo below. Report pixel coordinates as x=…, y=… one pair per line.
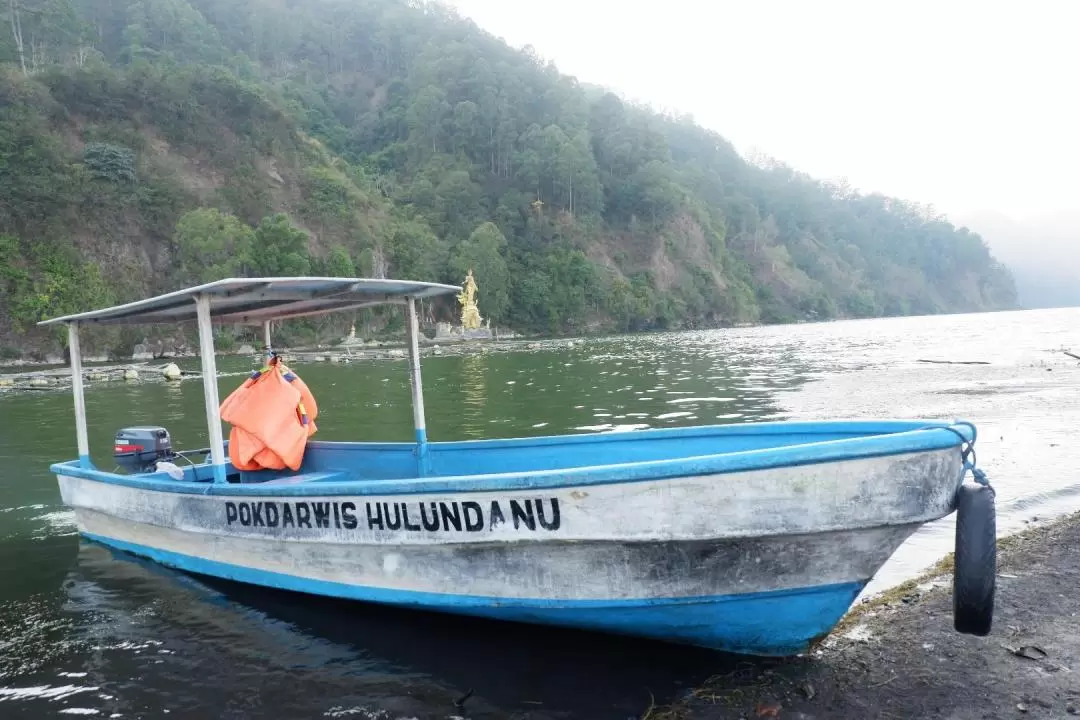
x=470, y=314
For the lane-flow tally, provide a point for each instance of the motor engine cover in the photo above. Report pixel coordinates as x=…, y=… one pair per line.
x=139, y=449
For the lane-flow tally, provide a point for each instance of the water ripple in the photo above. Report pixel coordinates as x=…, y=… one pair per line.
x=87, y=632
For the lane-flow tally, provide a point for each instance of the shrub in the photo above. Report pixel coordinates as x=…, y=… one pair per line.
x=114, y=163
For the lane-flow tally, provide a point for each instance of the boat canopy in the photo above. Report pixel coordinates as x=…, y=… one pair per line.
x=253, y=301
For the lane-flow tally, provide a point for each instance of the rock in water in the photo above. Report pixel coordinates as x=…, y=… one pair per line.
x=131, y=374
x=171, y=372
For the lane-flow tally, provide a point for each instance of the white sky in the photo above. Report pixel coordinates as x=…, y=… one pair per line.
x=971, y=106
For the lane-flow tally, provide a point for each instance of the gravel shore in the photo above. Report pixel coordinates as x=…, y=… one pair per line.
x=897, y=656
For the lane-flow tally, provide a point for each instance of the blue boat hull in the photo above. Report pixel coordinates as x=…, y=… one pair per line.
x=778, y=623
x=750, y=549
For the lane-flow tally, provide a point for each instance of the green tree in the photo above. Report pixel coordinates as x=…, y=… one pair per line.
x=211, y=245
x=52, y=283
x=412, y=252
x=425, y=117
x=656, y=190
x=113, y=163
x=339, y=264
x=458, y=204
x=483, y=253
x=280, y=249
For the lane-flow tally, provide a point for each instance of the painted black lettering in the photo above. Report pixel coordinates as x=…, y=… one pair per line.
x=322, y=514
x=433, y=523
x=449, y=518
x=555, y=519
x=348, y=517
x=412, y=527
x=522, y=514
x=245, y=514
x=256, y=515
x=272, y=514
x=377, y=519
x=474, y=520
x=497, y=517
x=286, y=516
x=230, y=513
x=303, y=515
x=396, y=524
x=337, y=516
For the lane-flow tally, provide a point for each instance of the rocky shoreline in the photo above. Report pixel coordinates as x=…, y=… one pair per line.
x=898, y=656
x=56, y=375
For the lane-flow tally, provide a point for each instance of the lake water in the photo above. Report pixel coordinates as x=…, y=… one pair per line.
x=84, y=632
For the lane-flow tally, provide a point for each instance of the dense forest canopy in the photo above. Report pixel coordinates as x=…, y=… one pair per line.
x=149, y=144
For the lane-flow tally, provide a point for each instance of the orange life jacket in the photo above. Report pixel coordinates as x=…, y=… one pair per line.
x=273, y=414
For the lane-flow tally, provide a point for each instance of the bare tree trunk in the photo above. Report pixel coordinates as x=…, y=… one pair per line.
x=16, y=31
x=378, y=263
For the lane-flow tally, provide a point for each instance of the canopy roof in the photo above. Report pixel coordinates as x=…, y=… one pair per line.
x=252, y=301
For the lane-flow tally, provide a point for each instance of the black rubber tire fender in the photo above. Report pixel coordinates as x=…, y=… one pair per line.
x=975, y=563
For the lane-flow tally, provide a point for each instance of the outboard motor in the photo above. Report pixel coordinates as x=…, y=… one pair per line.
x=139, y=449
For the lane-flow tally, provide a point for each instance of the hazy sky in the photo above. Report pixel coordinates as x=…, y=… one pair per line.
x=970, y=106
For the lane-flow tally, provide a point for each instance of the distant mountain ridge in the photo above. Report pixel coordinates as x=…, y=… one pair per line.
x=146, y=144
x=1043, y=256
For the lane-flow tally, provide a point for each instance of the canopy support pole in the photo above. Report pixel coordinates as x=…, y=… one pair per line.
x=266, y=338
x=81, y=435
x=210, y=387
x=417, y=385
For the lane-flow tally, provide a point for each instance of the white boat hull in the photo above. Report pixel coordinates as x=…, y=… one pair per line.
x=760, y=561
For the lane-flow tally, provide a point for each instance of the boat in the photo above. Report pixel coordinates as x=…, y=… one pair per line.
x=751, y=538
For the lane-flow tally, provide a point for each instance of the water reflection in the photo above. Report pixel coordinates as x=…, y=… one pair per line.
x=473, y=368
x=139, y=636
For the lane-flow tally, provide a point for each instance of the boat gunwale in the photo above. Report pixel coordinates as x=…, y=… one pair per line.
x=931, y=436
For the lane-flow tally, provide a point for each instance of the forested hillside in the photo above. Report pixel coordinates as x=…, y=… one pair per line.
x=148, y=144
